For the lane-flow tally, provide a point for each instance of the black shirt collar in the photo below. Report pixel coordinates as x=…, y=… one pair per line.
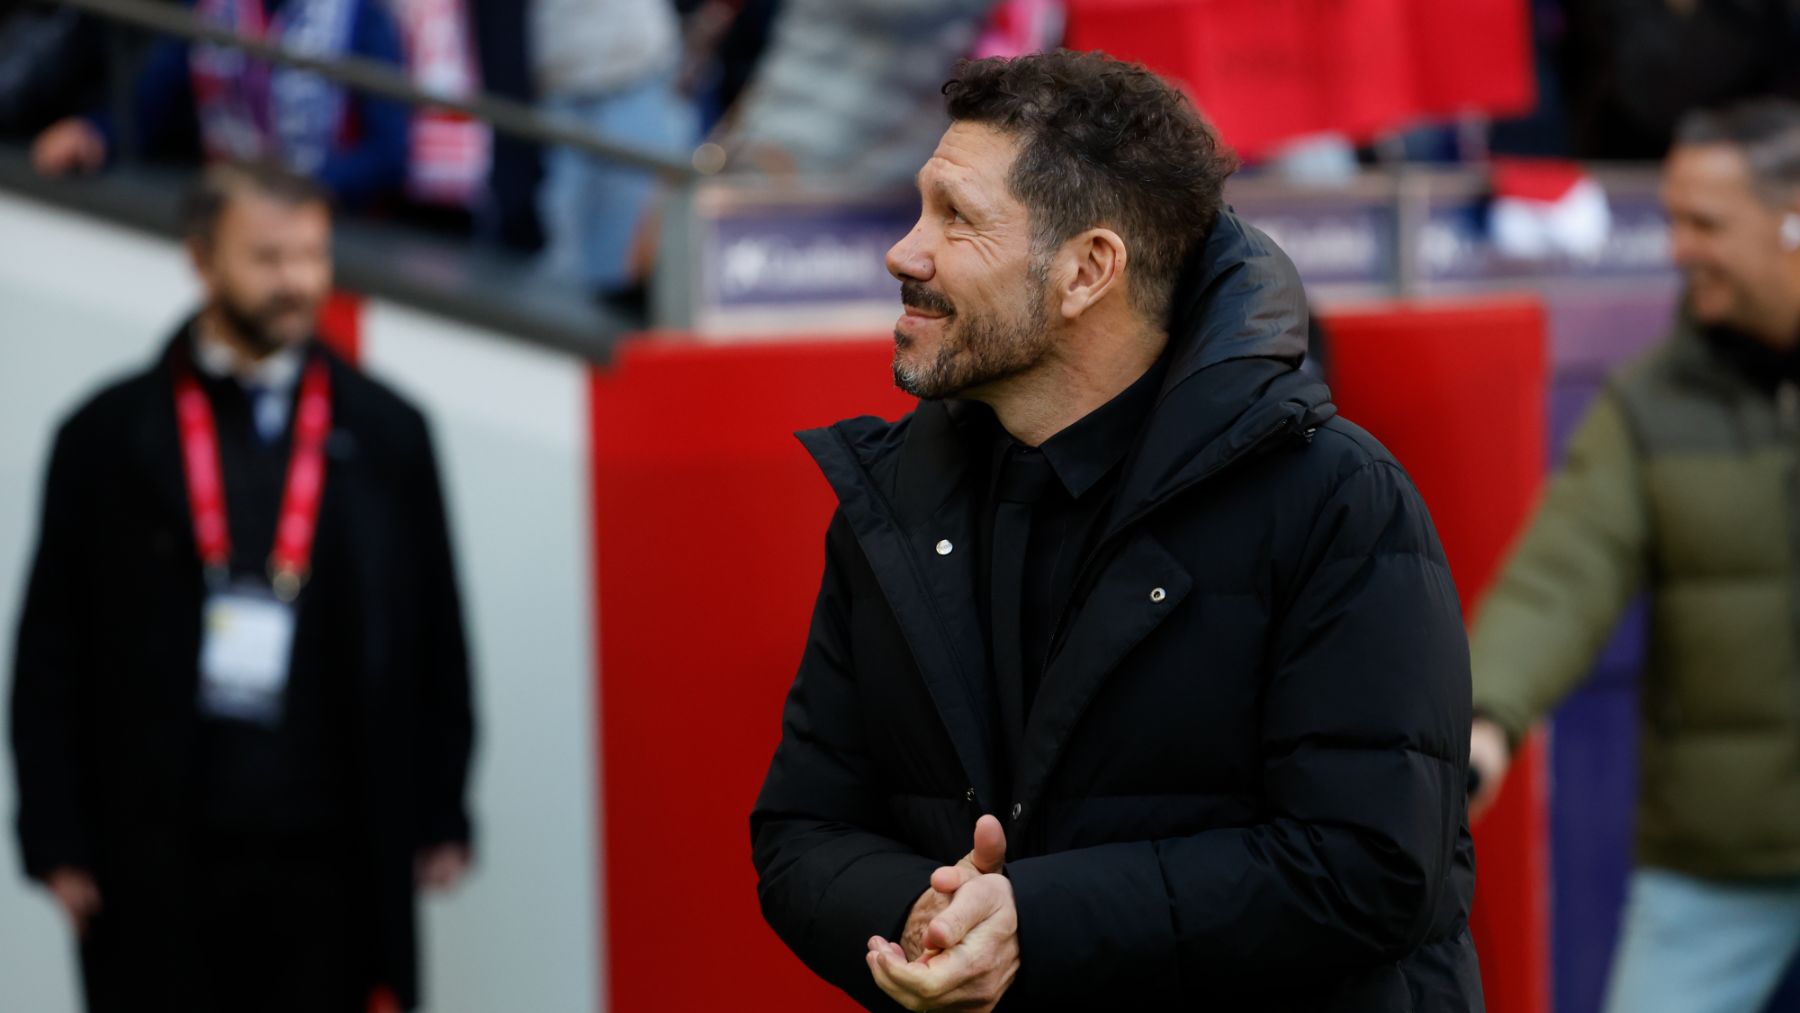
x=1085, y=451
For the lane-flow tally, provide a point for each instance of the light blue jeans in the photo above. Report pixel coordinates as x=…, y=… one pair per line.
x=1692, y=945
x=592, y=209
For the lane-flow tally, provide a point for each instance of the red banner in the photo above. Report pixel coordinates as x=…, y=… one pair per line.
x=1268, y=71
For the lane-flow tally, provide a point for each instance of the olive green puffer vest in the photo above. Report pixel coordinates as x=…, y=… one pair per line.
x=1684, y=478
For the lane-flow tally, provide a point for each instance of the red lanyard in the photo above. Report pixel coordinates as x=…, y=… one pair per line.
x=290, y=561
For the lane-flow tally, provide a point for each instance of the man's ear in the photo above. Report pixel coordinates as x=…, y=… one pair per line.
x=1093, y=267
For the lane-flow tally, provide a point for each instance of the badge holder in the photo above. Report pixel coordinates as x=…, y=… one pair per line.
x=247, y=647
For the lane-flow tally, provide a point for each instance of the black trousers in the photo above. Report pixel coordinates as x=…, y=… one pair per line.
x=257, y=927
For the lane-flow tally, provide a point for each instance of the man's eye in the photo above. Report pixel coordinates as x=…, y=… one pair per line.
x=957, y=217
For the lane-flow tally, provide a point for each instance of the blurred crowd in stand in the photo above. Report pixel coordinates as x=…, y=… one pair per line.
x=846, y=89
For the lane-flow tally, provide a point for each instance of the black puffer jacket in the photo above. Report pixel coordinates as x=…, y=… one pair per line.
x=1241, y=785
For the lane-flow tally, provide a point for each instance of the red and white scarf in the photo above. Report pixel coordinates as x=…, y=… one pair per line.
x=250, y=110
x=450, y=151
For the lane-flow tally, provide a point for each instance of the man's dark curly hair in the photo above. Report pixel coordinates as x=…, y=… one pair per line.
x=1102, y=143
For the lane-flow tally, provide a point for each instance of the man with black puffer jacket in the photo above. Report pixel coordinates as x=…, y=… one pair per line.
x=1137, y=679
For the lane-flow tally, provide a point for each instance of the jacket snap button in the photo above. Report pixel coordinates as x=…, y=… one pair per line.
x=944, y=547
x=1018, y=807
x=1157, y=594
x=969, y=796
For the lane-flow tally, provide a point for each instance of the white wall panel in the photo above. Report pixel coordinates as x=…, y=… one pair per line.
x=511, y=425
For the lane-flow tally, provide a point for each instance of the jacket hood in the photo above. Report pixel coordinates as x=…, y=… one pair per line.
x=1237, y=335
x=1238, y=297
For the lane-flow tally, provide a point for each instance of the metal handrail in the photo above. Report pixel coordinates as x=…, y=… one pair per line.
x=379, y=78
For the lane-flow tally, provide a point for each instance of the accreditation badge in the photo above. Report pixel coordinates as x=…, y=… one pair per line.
x=246, y=648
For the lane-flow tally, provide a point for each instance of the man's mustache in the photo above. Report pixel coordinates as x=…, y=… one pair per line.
x=915, y=295
x=283, y=304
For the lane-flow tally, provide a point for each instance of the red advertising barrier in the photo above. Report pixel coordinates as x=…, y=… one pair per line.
x=710, y=524
x=710, y=536
x=1460, y=393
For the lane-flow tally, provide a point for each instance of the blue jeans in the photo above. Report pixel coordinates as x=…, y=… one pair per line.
x=592, y=209
x=1692, y=945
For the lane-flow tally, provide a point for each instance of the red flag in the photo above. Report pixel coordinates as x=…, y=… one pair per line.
x=1268, y=71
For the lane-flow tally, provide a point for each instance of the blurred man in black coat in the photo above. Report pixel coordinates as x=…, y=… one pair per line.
x=1124, y=605
x=240, y=710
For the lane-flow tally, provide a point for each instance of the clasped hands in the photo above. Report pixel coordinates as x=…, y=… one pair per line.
x=960, y=948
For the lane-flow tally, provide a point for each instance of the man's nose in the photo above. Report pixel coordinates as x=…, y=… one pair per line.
x=909, y=258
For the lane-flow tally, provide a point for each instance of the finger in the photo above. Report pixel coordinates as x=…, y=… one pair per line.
x=990, y=844
x=975, y=973
x=951, y=878
x=971, y=906
x=883, y=973
x=912, y=936
x=922, y=980
x=936, y=977
x=979, y=991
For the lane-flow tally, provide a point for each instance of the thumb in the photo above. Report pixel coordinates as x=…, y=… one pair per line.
x=990, y=845
x=950, y=878
x=987, y=856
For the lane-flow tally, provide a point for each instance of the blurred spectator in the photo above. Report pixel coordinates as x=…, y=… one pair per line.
x=237, y=744
x=50, y=66
x=1681, y=479
x=1543, y=132
x=610, y=65
x=504, y=52
x=851, y=88
x=725, y=40
x=236, y=107
x=1633, y=67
